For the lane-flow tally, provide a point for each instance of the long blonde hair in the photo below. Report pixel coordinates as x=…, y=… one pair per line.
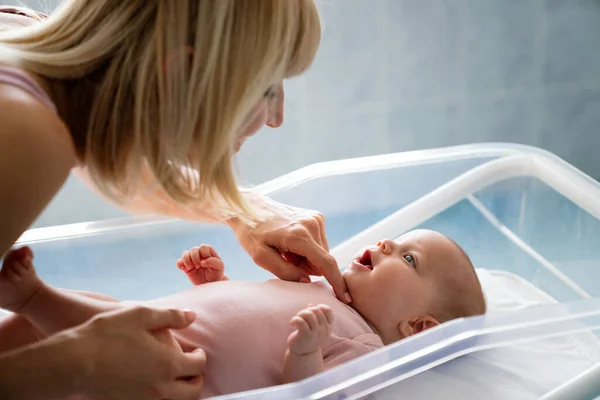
x=167, y=83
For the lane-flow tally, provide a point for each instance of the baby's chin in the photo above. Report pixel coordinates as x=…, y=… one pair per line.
x=349, y=278
x=347, y=271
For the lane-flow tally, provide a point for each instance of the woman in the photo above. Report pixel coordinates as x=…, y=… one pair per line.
x=148, y=100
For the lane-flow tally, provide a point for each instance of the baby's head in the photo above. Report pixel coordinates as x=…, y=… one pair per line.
x=412, y=284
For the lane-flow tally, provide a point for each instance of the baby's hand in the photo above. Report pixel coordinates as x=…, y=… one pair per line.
x=202, y=265
x=313, y=325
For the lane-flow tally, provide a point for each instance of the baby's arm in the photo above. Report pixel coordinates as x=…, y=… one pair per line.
x=202, y=264
x=304, y=357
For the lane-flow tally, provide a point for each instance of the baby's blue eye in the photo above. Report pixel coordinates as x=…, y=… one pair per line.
x=410, y=259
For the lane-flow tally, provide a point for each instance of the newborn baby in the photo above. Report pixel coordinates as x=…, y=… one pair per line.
x=260, y=334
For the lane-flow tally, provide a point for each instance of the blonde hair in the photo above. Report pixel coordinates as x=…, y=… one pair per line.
x=167, y=83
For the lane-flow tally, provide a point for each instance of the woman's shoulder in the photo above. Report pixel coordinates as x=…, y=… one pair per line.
x=24, y=118
x=36, y=157
x=33, y=140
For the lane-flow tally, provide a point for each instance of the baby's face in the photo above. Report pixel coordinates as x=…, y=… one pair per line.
x=397, y=281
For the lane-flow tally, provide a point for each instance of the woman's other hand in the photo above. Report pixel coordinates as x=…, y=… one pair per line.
x=292, y=245
x=130, y=354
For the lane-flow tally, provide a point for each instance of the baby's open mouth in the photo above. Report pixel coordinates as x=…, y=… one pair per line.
x=365, y=259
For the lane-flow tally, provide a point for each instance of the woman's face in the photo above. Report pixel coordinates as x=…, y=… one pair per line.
x=268, y=111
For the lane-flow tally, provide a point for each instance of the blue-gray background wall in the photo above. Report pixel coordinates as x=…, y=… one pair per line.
x=396, y=75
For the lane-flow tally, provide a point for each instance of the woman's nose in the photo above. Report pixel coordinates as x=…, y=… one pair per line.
x=386, y=246
x=276, y=109
x=275, y=119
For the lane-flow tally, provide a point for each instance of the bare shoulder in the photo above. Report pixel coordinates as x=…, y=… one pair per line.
x=23, y=119
x=36, y=156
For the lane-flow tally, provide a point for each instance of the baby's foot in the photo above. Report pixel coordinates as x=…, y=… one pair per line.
x=19, y=282
x=202, y=265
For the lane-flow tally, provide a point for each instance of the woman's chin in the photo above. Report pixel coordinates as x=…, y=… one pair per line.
x=238, y=145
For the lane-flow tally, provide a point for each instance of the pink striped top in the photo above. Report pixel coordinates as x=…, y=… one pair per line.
x=17, y=77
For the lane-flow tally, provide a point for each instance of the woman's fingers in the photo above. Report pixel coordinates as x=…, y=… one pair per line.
x=270, y=259
x=318, y=259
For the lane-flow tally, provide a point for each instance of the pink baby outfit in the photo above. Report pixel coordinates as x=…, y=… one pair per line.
x=244, y=326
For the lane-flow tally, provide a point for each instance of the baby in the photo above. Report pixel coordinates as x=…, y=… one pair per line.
x=399, y=288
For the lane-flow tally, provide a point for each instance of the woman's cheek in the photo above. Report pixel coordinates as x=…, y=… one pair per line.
x=259, y=120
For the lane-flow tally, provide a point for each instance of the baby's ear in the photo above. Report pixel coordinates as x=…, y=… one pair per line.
x=417, y=325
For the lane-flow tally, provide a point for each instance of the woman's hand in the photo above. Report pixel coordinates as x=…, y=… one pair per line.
x=131, y=355
x=124, y=354
x=291, y=244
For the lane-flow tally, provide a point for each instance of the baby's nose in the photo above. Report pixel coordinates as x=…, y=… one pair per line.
x=386, y=246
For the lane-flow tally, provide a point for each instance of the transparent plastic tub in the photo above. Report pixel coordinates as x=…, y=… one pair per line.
x=514, y=209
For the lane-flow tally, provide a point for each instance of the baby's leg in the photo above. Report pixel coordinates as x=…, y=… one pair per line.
x=16, y=331
x=49, y=310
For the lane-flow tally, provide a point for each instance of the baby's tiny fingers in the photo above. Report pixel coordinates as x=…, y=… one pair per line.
x=213, y=263
x=321, y=320
x=181, y=265
x=328, y=314
x=187, y=260
x=205, y=251
x=300, y=324
x=310, y=318
x=323, y=307
x=195, y=257
x=213, y=252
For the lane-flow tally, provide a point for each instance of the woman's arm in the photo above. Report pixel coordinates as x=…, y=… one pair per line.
x=36, y=155
x=43, y=370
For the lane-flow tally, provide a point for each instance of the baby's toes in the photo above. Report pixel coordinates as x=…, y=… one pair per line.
x=26, y=253
x=27, y=263
x=14, y=264
x=11, y=258
x=13, y=272
x=25, y=266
